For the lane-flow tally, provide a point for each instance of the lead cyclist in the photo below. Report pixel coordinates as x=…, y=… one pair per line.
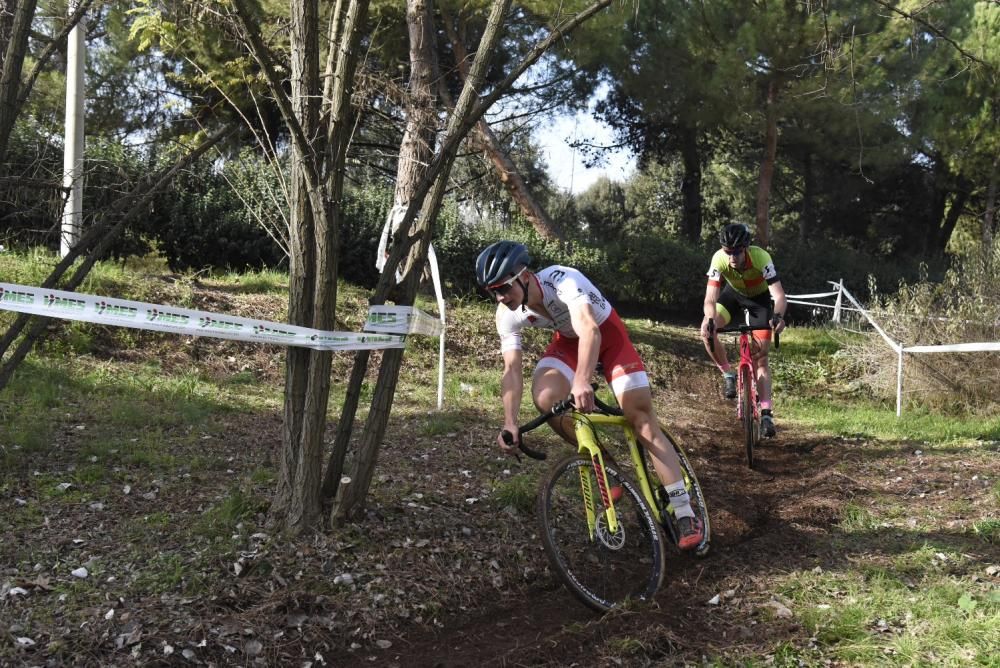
x=587, y=329
x=752, y=283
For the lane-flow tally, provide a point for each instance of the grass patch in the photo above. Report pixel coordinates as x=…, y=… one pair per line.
x=519, y=492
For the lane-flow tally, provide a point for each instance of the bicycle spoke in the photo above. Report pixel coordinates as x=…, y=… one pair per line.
x=607, y=569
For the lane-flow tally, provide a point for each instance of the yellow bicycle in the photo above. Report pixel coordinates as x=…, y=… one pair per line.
x=603, y=533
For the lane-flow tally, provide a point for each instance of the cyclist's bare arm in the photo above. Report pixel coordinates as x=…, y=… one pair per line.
x=712, y=293
x=585, y=326
x=780, y=304
x=511, y=389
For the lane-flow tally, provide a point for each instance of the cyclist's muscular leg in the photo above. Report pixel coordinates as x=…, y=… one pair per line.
x=549, y=385
x=637, y=404
x=763, y=371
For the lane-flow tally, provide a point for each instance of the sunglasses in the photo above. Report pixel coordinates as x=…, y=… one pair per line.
x=503, y=287
x=733, y=251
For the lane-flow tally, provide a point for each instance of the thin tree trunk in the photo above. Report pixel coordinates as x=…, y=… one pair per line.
x=767, y=165
x=989, y=214
x=15, y=29
x=415, y=154
x=14, y=53
x=691, y=185
x=341, y=63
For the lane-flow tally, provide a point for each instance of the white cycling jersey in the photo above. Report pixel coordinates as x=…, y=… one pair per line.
x=560, y=286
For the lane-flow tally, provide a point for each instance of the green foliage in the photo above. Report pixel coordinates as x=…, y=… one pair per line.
x=517, y=492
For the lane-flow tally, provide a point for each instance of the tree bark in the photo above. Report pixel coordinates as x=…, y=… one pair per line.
x=317, y=183
x=14, y=52
x=691, y=185
x=955, y=210
x=989, y=227
x=415, y=155
x=767, y=165
x=15, y=30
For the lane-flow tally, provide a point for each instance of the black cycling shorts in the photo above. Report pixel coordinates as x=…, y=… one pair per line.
x=759, y=308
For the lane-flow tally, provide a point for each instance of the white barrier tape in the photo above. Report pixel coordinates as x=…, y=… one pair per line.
x=402, y=320
x=139, y=315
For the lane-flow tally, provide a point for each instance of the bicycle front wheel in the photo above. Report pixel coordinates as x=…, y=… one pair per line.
x=749, y=420
x=602, y=568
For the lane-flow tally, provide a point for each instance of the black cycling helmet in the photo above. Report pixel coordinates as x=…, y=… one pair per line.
x=734, y=235
x=500, y=261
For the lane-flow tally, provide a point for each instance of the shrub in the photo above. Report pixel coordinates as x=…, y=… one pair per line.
x=962, y=308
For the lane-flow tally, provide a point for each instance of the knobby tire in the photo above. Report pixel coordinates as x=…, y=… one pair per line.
x=610, y=569
x=694, y=491
x=749, y=423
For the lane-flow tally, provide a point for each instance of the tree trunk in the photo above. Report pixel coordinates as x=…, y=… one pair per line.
x=955, y=210
x=691, y=185
x=14, y=50
x=989, y=214
x=767, y=165
x=512, y=181
x=15, y=30
x=415, y=155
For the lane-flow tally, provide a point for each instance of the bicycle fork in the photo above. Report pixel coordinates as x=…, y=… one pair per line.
x=746, y=354
x=587, y=444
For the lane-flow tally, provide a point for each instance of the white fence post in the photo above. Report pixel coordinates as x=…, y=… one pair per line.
x=840, y=298
x=899, y=384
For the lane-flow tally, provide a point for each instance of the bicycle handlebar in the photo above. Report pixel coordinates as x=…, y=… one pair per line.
x=560, y=407
x=741, y=329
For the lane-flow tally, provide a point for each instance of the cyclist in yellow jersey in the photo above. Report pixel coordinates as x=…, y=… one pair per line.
x=751, y=284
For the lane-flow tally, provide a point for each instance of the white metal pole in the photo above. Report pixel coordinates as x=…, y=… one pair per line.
x=840, y=299
x=899, y=384
x=76, y=60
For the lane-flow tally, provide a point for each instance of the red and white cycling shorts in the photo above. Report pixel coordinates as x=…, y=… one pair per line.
x=622, y=367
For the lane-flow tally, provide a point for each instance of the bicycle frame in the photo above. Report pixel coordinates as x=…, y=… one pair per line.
x=587, y=444
x=747, y=398
x=746, y=362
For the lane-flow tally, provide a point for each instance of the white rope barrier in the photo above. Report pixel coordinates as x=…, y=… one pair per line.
x=897, y=347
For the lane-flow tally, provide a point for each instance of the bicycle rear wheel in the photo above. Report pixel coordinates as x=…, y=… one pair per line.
x=750, y=428
x=609, y=568
x=698, y=503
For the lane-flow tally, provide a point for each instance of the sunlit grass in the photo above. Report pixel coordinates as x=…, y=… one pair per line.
x=911, y=609
x=867, y=419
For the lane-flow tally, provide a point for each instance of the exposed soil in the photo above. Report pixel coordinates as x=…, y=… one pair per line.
x=441, y=573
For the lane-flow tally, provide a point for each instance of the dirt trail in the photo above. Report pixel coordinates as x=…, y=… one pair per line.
x=773, y=517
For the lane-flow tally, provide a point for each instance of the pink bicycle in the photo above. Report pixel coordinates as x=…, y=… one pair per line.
x=747, y=405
